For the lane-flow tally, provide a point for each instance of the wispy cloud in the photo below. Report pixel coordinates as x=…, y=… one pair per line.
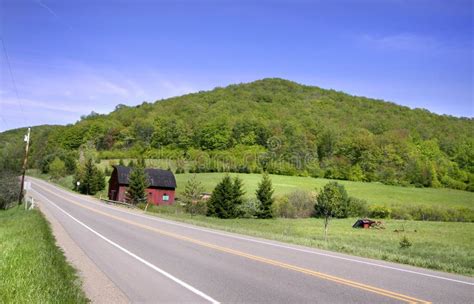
x=403, y=41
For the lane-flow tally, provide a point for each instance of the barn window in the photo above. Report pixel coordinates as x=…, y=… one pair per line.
x=166, y=197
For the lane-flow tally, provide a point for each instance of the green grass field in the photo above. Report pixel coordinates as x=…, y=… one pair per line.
x=374, y=193
x=32, y=268
x=435, y=245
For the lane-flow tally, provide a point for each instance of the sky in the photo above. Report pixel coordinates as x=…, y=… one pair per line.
x=63, y=59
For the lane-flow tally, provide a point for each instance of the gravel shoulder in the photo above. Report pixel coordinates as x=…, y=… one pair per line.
x=97, y=286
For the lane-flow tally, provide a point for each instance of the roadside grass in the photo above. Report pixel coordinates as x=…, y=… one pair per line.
x=32, y=268
x=435, y=245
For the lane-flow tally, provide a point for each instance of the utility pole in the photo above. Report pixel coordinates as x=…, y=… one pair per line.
x=25, y=161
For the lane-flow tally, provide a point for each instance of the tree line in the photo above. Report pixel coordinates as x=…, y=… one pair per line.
x=271, y=125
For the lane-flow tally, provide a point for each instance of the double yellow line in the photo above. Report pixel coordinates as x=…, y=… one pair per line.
x=306, y=271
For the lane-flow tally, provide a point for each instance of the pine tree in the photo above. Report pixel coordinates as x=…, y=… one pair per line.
x=137, y=184
x=192, y=197
x=225, y=198
x=91, y=179
x=265, y=197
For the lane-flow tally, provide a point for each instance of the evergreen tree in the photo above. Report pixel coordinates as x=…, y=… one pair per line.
x=91, y=179
x=265, y=197
x=225, y=198
x=192, y=197
x=137, y=184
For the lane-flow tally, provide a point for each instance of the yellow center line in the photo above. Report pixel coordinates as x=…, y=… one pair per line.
x=310, y=272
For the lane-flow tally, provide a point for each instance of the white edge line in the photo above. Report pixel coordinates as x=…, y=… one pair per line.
x=270, y=243
x=164, y=273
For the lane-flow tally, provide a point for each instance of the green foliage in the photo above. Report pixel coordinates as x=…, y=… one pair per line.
x=137, y=184
x=57, y=168
x=270, y=125
x=357, y=207
x=302, y=203
x=226, y=198
x=91, y=179
x=405, y=242
x=379, y=211
x=265, y=199
x=9, y=189
x=331, y=202
x=250, y=208
x=283, y=208
x=192, y=197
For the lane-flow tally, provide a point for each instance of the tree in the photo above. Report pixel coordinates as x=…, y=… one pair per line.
x=9, y=188
x=192, y=196
x=331, y=202
x=265, y=197
x=91, y=180
x=57, y=168
x=137, y=185
x=226, y=198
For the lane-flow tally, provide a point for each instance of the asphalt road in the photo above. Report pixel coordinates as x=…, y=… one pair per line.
x=156, y=260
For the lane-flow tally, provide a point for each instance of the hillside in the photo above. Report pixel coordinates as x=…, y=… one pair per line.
x=274, y=125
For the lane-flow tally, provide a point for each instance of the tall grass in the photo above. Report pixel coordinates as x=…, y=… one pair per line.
x=32, y=268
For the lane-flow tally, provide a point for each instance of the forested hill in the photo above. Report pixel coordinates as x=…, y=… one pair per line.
x=276, y=125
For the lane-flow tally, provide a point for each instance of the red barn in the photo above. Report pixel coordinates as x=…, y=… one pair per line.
x=160, y=192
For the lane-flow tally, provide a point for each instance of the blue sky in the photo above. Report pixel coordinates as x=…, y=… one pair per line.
x=69, y=58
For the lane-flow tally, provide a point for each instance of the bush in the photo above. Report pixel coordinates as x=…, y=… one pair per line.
x=379, y=211
x=405, y=242
x=283, y=208
x=9, y=189
x=302, y=203
x=198, y=207
x=249, y=208
x=357, y=207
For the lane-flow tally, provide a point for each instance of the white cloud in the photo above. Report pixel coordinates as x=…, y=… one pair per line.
x=403, y=41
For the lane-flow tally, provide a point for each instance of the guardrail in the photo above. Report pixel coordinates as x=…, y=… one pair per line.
x=111, y=202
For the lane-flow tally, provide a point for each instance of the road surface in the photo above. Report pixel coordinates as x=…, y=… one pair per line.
x=155, y=260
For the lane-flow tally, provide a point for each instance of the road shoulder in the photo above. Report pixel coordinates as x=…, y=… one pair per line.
x=97, y=286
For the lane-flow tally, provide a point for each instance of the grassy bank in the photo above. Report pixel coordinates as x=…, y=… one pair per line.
x=435, y=245
x=32, y=268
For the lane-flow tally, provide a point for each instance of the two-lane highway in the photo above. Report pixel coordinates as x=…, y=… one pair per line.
x=155, y=260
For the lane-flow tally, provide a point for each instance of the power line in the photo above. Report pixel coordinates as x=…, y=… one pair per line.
x=13, y=81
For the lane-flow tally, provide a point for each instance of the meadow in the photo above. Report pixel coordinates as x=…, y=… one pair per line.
x=373, y=193
x=32, y=268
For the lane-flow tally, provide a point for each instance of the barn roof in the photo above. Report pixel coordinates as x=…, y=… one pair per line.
x=156, y=177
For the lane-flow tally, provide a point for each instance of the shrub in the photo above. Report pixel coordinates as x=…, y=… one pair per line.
x=198, y=207
x=405, y=242
x=9, y=189
x=378, y=211
x=357, y=207
x=302, y=203
x=249, y=208
x=283, y=208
